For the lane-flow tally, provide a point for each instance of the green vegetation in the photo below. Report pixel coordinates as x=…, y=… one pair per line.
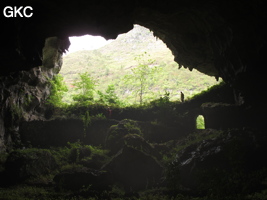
x=200, y=123
x=109, y=97
x=138, y=80
x=220, y=184
x=127, y=60
x=85, y=86
x=143, y=94
x=16, y=112
x=58, y=88
x=191, y=139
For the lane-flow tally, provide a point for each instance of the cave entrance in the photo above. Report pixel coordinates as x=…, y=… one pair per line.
x=110, y=61
x=200, y=122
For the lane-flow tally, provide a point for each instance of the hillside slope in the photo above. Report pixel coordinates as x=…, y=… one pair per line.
x=109, y=64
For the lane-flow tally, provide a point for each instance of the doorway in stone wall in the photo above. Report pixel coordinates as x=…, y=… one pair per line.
x=200, y=122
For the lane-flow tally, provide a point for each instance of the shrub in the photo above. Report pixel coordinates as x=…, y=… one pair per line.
x=58, y=88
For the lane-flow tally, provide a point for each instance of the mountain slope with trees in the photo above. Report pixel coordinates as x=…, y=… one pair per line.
x=113, y=63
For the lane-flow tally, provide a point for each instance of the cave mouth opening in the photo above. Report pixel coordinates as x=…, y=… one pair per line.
x=109, y=61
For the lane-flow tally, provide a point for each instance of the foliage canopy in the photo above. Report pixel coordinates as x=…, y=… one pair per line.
x=85, y=86
x=58, y=88
x=142, y=76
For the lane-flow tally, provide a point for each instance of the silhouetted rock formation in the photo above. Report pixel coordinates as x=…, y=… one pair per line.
x=222, y=39
x=134, y=169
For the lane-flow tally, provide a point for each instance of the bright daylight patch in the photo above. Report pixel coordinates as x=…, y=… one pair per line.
x=200, y=122
x=86, y=42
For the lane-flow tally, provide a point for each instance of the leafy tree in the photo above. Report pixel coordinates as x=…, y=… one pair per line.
x=141, y=76
x=58, y=88
x=110, y=96
x=85, y=86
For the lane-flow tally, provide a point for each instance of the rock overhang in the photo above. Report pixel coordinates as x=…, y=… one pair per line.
x=222, y=39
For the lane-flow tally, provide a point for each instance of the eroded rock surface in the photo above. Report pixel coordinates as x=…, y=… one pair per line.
x=224, y=161
x=23, y=94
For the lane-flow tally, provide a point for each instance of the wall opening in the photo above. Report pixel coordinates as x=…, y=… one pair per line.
x=200, y=122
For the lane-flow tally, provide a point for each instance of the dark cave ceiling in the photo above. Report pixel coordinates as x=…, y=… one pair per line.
x=220, y=38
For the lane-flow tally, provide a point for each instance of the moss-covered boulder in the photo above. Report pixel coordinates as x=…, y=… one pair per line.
x=138, y=142
x=29, y=163
x=134, y=169
x=116, y=133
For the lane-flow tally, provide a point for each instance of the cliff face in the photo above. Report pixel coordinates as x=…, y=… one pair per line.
x=220, y=38
x=23, y=93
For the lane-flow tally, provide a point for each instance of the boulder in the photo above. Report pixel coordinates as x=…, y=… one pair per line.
x=222, y=164
x=127, y=132
x=151, y=131
x=134, y=169
x=138, y=142
x=116, y=134
x=23, y=164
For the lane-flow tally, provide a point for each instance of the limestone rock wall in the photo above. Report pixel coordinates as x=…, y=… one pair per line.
x=23, y=94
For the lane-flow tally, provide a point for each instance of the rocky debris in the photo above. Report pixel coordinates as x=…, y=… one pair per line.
x=209, y=164
x=83, y=179
x=23, y=164
x=138, y=142
x=134, y=169
x=203, y=156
